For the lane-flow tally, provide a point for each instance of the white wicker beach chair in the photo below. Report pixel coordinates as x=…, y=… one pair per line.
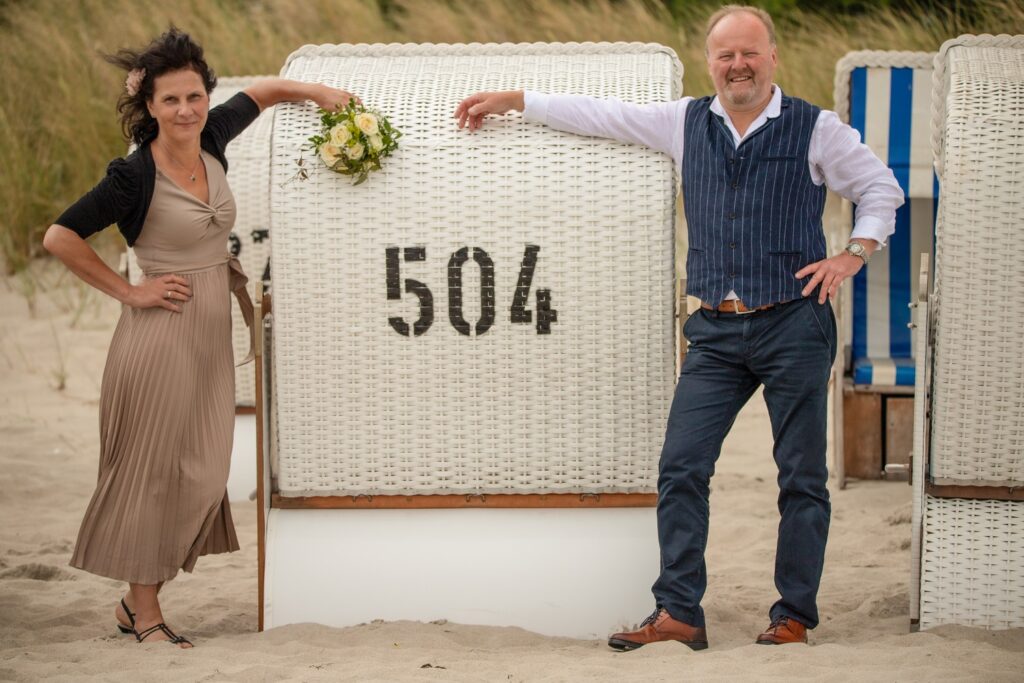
x=969, y=427
x=486, y=323
x=886, y=96
x=249, y=174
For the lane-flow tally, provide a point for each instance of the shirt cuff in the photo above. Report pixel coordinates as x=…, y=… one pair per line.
x=871, y=228
x=535, y=106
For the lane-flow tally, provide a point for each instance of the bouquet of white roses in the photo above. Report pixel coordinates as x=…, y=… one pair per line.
x=354, y=139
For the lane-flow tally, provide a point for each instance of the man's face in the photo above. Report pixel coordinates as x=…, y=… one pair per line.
x=741, y=60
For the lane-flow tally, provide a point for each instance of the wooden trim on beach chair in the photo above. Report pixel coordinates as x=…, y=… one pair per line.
x=262, y=309
x=1015, y=493
x=484, y=500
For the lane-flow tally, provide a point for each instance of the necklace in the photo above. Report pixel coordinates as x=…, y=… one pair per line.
x=192, y=173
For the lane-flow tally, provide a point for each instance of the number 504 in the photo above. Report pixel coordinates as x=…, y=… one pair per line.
x=518, y=313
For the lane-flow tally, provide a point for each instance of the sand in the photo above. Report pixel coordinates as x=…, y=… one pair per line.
x=57, y=622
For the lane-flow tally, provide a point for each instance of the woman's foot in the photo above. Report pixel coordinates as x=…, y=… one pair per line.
x=124, y=615
x=149, y=620
x=157, y=632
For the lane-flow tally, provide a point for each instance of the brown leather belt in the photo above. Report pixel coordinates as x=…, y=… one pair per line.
x=738, y=307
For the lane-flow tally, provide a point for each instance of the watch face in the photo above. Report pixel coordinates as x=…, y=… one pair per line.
x=855, y=248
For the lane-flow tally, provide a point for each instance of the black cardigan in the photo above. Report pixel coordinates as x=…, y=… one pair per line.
x=123, y=196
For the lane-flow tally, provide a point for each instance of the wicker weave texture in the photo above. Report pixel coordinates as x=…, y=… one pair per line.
x=249, y=175
x=973, y=563
x=363, y=409
x=978, y=425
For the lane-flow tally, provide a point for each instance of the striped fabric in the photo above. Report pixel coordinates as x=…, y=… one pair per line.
x=753, y=213
x=890, y=107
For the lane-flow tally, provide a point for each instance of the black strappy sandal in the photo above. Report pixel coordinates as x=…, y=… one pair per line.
x=173, y=638
x=131, y=620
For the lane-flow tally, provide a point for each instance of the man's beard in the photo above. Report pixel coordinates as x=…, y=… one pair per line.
x=741, y=97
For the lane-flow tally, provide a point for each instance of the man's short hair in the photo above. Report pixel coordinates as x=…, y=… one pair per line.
x=725, y=10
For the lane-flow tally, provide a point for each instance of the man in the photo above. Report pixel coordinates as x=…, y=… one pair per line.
x=755, y=164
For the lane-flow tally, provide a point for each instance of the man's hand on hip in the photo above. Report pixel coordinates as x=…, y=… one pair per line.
x=474, y=108
x=829, y=274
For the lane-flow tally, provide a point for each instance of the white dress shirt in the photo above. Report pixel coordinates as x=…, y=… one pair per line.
x=836, y=156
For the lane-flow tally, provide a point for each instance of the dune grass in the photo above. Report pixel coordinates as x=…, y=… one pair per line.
x=58, y=126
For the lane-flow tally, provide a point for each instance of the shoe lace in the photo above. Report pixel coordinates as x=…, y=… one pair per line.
x=778, y=622
x=651, y=619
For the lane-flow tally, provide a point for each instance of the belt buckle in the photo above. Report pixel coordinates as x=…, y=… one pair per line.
x=737, y=311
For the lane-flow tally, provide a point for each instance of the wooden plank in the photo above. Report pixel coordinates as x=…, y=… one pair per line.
x=549, y=500
x=883, y=389
x=245, y=410
x=899, y=430
x=261, y=522
x=975, y=492
x=862, y=434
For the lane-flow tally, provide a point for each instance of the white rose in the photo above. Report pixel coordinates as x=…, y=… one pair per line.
x=340, y=135
x=355, y=152
x=330, y=153
x=376, y=144
x=367, y=123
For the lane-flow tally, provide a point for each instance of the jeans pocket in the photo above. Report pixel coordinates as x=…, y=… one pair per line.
x=689, y=326
x=824, y=322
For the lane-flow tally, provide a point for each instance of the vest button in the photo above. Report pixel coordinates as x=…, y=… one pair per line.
x=735, y=185
x=732, y=245
x=731, y=215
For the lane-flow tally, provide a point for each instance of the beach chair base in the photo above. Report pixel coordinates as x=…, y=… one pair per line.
x=560, y=572
x=970, y=566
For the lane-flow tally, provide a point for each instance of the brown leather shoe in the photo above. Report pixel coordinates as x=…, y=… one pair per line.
x=660, y=627
x=783, y=630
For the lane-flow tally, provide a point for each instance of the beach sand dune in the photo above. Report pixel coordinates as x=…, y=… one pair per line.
x=57, y=622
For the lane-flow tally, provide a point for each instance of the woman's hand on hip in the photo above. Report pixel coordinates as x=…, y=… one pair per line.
x=164, y=291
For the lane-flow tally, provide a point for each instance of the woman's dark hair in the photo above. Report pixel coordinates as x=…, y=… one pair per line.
x=172, y=51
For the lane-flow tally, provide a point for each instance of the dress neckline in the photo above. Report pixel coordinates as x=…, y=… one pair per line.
x=209, y=189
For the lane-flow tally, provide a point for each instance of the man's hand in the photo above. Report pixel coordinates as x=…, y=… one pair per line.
x=474, y=108
x=830, y=273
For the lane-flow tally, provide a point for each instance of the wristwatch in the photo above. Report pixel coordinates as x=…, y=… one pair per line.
x=857, y=249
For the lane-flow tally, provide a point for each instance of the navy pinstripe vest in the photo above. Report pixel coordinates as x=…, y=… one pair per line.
x=753, y=213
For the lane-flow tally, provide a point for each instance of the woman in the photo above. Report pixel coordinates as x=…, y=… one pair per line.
x=167, y=399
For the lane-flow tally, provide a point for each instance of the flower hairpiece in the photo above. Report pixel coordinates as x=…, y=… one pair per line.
x=134, y=81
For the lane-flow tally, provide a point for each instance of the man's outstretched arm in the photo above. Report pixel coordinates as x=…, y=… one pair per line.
x=657, y=125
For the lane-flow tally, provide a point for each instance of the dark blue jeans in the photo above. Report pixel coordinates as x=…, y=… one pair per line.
x=788, y=349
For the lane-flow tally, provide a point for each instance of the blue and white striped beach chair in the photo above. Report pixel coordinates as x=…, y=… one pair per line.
x=886, y=96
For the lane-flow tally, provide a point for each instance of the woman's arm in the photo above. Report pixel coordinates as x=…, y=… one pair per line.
x=81, y=260
x=270, y=91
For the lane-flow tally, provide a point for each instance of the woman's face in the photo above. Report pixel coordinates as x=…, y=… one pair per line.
x=180, y=104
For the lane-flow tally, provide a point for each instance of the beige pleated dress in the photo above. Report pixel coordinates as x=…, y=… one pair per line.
x=167, y=402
